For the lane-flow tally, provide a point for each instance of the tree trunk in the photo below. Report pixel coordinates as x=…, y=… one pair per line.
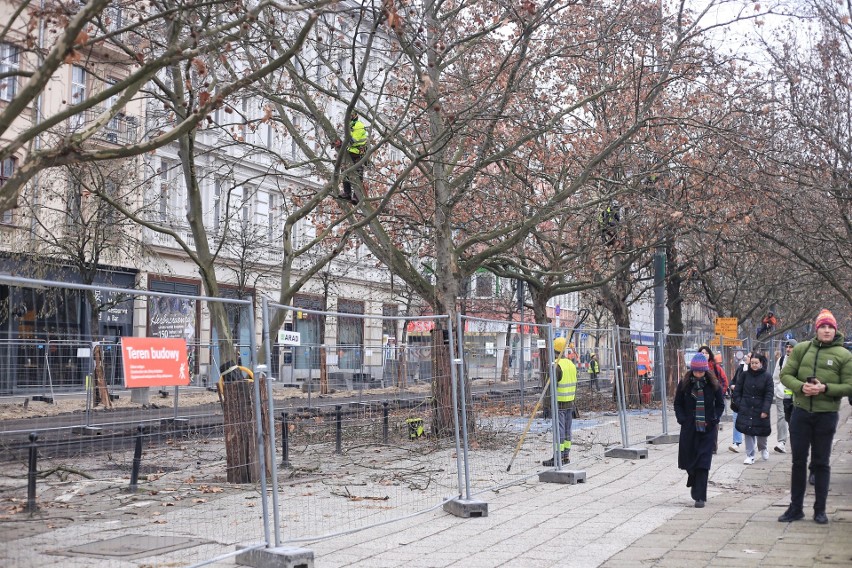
x=241, y=447
x=323, y=364
x=674, y=304
x=443, y=422
x=504, y=370
x=402, y=367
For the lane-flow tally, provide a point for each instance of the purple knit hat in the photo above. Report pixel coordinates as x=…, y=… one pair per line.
x=699, y=362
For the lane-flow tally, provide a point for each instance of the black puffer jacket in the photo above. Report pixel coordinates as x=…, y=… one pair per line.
x=753, y=396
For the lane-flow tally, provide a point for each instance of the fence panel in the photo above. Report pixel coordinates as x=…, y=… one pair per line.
x=509, y=441
x=645, y=407
x=368, y=438
x=88, y=439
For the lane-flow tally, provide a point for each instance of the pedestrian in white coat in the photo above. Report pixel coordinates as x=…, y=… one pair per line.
x=781, y=392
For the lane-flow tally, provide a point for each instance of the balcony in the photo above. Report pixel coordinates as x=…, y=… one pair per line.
x=121, y=130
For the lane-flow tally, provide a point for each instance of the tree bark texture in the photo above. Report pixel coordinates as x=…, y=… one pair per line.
x=240, y=417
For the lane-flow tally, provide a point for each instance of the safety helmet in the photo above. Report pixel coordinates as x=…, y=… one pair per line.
x=559, y=344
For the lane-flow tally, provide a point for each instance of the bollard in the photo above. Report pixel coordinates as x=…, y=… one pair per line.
x=31, y=474
x=285, y=440
x=137, y=461
x=339, y=434
x=385, y=422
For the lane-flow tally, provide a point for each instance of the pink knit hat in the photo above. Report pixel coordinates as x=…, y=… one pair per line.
x=825, y=317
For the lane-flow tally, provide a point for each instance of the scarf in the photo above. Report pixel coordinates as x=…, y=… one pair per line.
x=700, y=413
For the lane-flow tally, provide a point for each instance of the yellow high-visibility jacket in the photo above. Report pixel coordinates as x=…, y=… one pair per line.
x=566, y=383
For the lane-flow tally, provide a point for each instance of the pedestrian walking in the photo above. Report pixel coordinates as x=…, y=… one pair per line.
x=698, y=405
x=594, y=370
x=819, y=372
x=715, y=367
x=753, y=399
x=717, y=370
x=737, y=436
x=783, y=398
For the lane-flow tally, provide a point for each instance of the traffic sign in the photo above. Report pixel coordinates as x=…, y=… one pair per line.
x=727, y=327
x=729, y=342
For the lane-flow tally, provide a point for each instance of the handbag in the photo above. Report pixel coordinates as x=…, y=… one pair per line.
x=734, y=406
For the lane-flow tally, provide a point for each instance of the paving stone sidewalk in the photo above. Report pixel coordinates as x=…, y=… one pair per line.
x=628, y=513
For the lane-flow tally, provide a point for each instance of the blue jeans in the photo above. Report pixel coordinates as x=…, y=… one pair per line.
x=738, y=436
x=811, y=432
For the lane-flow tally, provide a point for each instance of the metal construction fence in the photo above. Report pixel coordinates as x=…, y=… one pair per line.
x=353, y=420
x=379, y=453
x=84, y=440
x=513, y=435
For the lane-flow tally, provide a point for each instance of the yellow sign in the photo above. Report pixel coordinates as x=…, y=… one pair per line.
x=728, y=342
x=727, y=327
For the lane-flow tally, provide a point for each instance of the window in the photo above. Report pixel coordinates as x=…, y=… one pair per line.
x=7, y=168
x=246, y=199
x=113, y=19
x=78, y=93
x=217, y=204
x=75, y=204
x=390, y=327
x=307, y=355
x=78, y=85
x=350, y=335
x=9, y=55
x=171, y=203
x=272, y=219
x=113, y=124
x=484, y=285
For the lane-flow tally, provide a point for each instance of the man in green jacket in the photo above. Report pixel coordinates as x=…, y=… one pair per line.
x=819, y=372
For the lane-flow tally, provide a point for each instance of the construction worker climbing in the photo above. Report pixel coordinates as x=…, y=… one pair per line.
x=767, y=324
x=566, y=388
x=609, y=220
x=356, y=150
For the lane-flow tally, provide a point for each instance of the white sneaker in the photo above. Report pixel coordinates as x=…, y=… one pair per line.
x=764, y=454
x=781, y=448
x=749, y=461
x=734, y=448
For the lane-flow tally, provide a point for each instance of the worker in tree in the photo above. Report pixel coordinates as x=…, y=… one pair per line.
x=356, y=150
x=609, y=220
x=767, y=324
x=566, y=388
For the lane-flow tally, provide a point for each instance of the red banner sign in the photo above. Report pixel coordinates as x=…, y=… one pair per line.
x=154, y=362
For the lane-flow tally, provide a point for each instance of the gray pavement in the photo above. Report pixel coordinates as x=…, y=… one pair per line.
x=628, y=513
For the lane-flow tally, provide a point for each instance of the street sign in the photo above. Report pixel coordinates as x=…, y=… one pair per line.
x=154, y=362
x=289, y=337
x=727, y=327
x=728, y=342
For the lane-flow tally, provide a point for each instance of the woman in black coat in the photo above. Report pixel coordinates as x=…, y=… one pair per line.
x=753, y=398
x=698, y=405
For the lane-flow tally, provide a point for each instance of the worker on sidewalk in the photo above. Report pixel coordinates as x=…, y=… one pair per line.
x=594, y=371
x=566, y=388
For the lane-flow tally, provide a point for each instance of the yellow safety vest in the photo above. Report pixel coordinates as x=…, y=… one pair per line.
x=358, y=132
x=566, y=388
